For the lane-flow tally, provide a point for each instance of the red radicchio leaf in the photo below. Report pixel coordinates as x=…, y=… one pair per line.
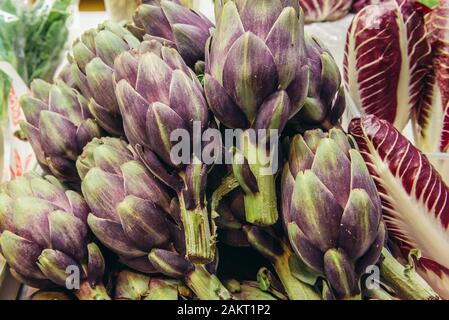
x=431, y=120
x=387, y=56
x=415, y=200
x=325, y=10
x=360, y=4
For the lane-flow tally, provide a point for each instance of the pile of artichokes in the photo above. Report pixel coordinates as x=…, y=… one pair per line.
x=111, y=215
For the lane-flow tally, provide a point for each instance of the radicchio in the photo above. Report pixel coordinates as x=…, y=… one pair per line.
x=325, y=10
x=387, y=56
x=431, y=120
x=415, y=200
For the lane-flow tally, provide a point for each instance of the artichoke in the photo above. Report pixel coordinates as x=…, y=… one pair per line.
x=135, y=286
x=92, y=61
x=325, y=102
x=137, y=216
x=331, y=209
x=159, y=96
x=249, y=290
x=177, y=26
x=58, y=126
x=44, y=233
x=234, y=231
x=256, y=78
x=131, y=218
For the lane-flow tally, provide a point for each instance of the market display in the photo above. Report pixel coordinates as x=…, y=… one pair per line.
x=183, y=160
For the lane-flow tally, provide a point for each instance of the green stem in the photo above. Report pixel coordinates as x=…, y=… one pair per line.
x=200, y=245
x=261, y=207
x=296, y=289
x=206, y=286
x=407, y=284
x=87, y=292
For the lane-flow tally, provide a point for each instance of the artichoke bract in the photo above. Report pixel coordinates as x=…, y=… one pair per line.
x=160, y=96
x=92, y=60
x=325, y=102
x=58, y=126
x=177, y=26
x=325, y=10
x=134, y=215
x=256, y=78
x=45, y=237
x=331, y=209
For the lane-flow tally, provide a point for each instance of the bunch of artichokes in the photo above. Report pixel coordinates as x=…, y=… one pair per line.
x=118, y=215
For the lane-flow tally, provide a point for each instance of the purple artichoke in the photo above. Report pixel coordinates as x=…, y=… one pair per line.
x=176, y=26
x=44, y=232
x=331, y=209
x=136, y=218
x=92, y=62
x=159, y=94
x=256, y=77
x=58, y=126
x=135, y=286
x=325, y=102
x=130, y=218
x=235, y=232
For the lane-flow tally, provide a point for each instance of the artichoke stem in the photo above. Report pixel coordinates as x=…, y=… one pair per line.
x=88, y=292
x=296, y=289
x=206, y=286
x=406, y=285
x=200, y=247
x=260, y=207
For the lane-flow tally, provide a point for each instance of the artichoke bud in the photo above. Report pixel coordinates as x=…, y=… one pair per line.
x=170, y=263
x=93, y=56
x=331, y=209
x=58, y=126
x=177, y=25
x=325, y=101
